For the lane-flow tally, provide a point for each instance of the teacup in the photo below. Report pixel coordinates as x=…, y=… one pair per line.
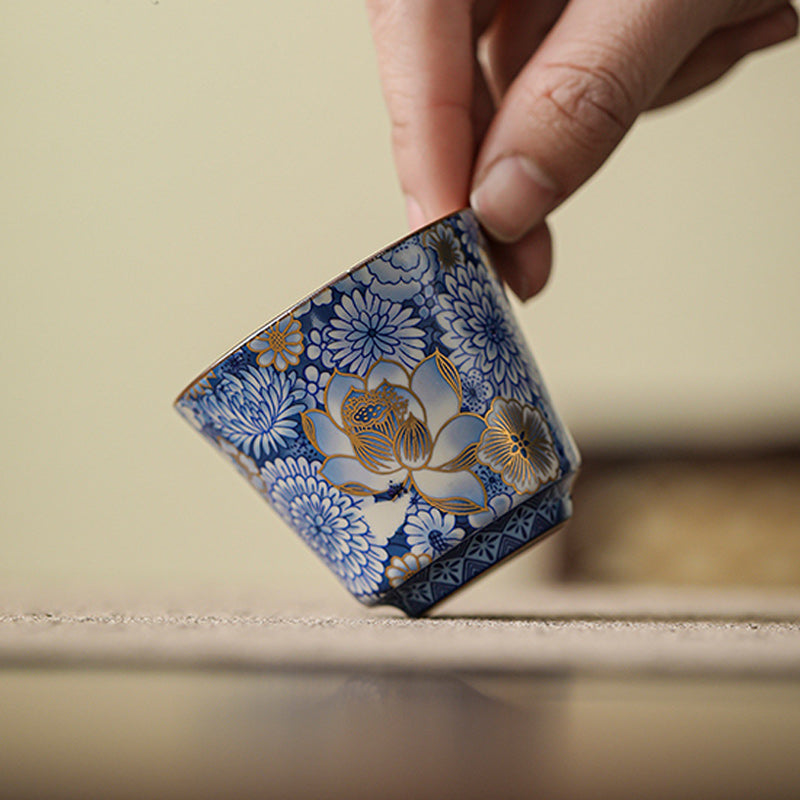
x=397, y=421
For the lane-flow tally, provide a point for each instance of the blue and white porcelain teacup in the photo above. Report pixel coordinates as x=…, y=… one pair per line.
x=397, y=421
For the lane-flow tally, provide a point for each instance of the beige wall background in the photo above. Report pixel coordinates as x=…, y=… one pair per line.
x=174, y=173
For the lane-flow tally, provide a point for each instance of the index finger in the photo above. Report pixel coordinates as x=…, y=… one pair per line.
x=430, y=80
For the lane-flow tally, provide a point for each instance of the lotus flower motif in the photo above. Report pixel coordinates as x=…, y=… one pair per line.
x=392, y=427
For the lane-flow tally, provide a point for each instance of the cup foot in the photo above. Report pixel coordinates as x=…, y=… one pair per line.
x=484, y=549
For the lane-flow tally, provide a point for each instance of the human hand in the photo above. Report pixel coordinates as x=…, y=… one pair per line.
x=511, y=105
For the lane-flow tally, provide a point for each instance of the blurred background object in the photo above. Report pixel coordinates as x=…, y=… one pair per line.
x=175, y=173
x=702, y=518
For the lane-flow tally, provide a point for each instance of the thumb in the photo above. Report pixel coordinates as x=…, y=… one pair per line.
x=571, y=104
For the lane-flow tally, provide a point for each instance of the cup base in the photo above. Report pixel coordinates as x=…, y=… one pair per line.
x=541, y=514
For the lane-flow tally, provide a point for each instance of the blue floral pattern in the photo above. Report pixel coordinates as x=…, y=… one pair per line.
x=481, y=333
x=398, y=273
x=314, y=383
x=430, y=531
x=396, y=420
x=422, y=587
x=477, y=391
x=366, y=328
x=316, y=349
x=473, y=243
x=328, y=520
x=255, y=411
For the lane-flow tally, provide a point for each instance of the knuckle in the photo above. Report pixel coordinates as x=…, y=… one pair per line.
x=402, y=118
x=407, y=113
x=590, y=104
x=401, y=135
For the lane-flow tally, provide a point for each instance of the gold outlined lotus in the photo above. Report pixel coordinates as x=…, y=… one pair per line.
x=394, y=426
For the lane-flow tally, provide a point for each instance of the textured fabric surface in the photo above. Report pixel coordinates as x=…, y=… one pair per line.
x=650, y=631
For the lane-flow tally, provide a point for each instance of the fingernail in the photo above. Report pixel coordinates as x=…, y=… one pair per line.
x=416, y=219
x=512, y=197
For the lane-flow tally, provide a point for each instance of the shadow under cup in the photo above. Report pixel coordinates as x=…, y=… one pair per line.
x=396, y=421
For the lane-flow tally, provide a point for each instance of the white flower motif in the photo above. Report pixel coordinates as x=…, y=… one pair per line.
x=481, y=333
x=280, y=345
x=317, y=349
x=400, y=271
x=518, y=445
x=366, y=328
x=315, y=383
x=255, y=410
x=392, y=428
x=430, y=531
x=328, y=520
x=477, y=391
x=401, y=568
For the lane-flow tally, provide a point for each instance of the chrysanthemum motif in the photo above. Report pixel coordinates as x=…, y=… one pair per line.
x=280, y=345
x=430, y=531
x=366, y=328
x=330, y=521
x=257, y=411
x=480, y=332
x=401, y=568
x=518, y=445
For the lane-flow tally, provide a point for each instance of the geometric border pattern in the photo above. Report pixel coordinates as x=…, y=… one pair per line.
x=482, y=550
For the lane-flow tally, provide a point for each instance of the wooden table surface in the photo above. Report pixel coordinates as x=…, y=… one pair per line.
x=611, y=693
